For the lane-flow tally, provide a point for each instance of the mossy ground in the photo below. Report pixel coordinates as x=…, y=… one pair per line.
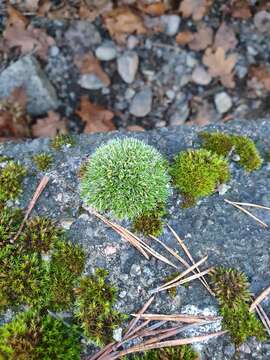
x=62, y=140
x=184, y=352
x=243, y=146
x=231, y=288
x=11, y=176
x=43, y=161
x=150, y=223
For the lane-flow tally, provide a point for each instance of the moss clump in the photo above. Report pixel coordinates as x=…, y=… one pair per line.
x=232, y=291
x=94, y=307
x=62, y=140
x=43, y=161
x=196, y=173
x=10, y=221
x=127, y=177
x=172, y=291
x=150, y=223
x=11, y=176
x=4, y=158
x=184, y=352
x=33, y=336
x=243, y=146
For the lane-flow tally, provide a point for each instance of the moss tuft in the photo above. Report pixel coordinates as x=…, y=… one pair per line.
x=196, y=173
x=231, y=288
x=243, y=146
x=127, y=177
x=94, y=307
x=150, y=223
x=43, y=161
x=35, y=337
x=172, y=291
x=10, y=221
x=62, y=140
x=4, y=158
x=184, y=352
x=11, y=176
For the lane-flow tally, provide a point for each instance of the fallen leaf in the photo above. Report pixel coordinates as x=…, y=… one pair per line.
x=225, y=38
x=262, y=21
x=241, y=9
x=97, y=118
x=28, y=40
x=202, y=38
x=156, y=9
x=123, y=21
x=49, y=126
x=135, y=128
x=220, y=65
x=89, y=64
x=261, y=74
x=15, y=17
x=184, y=37
x=195, y=8
x=31, y=5
x=89, y=11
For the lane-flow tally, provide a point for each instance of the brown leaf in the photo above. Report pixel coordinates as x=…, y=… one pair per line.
x=28, y=40
x=184, y=37
x=225, y=38
x=202, y=38
x=261, y=74
x=15, y=17
x=195, y=8
x=49, y=126
x=97, y=118
x=123, y=21
x=220, y=65
x=156, y=9
x=88, y=64
x=241, y=9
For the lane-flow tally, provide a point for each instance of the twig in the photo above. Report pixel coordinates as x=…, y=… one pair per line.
x=43, y=183
x=259, y=299
x=252, y=205
x=264, y=318
x=246, y=212
x=184, y=318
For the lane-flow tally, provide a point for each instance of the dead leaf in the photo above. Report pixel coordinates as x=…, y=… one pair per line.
x=195, y=8
x=28, y=40
x=261, y=74
x=202, y=38
x=241, y=9
x=89, y=12
x=184, y=37
x=225, y=38
x=30, y=5
x=156, y=9
x=220, y=65
x=97, y=118
x=123, y=21
x=89, y=64
x=15, y=17
x=49, y=126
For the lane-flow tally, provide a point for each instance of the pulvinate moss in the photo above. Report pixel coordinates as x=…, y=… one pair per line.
x=11, y=176
x=62, y=140
x=43, y=161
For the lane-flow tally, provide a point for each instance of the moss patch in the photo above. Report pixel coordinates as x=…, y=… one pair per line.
x=231, y=288
x=150, y=223
x=243, y=146
x=184, y=352
x=172, y=291
x=62, y=140
x=196, y=173
x=43, y=161
x=11, y=176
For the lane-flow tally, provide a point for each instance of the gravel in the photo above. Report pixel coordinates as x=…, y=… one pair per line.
x=127, y=65
x=228, y=236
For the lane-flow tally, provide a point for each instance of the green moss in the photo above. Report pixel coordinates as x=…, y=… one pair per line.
x=94, y=307
x=173, y=291
x=11, y=177
x=33, y=336
x=127, y=177
x=82, y=169
x=4, y=158
x=43, y=161
x=196, y=173
x=10, y=220
x=231, y=288
x=62, y=140
x=243, y=146
x=184, y=352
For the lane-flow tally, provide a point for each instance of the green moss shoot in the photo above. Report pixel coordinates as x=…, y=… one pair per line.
x=184, y=352
x=62, y=140
x=43, y=161
x=127, y=177
x=172, y=291
x=11, y=176
x=243, y=146
x=196, y=173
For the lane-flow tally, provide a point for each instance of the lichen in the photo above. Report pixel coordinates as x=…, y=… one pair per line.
x=43, y=161
x=243, y=146
x=94, y=307
x=183, y=352
x=62, y=140
x=11, y=176
x=231, y=288
x=127, y=177
x=196, y=173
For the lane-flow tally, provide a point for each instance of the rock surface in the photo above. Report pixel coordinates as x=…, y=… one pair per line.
x=214, y=228
x=28, y=74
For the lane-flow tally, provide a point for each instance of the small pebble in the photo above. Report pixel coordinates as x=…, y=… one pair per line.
x=127, y=66
x=106, y=52
x=171, y=24
x=223, y=102
x=141, y=103
x=117, y=334
x=200, y=76
x=132, y=42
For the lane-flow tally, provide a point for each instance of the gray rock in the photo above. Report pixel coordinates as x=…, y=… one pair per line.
x=91, y=82
x=106, y=51
x=141, y=103
x=200, y=76
x=117, y=334
x=171, y=24
x=180, y=115
x=127, y=66
x=223, y=102
x=28, y=74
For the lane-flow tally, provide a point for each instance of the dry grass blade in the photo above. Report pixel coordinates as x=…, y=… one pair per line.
x=184, y=281
x=259, y=299
x=251, y=205
x=247, y=212
x=158, y=345
x=187, y=252
x=264, y=318
x=186, y=272
x=185, y=318
x=43, y=183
